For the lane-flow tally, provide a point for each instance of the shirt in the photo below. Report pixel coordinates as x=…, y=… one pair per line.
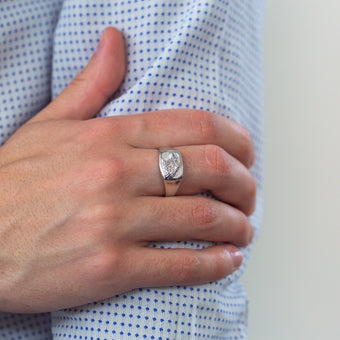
x=181, y=54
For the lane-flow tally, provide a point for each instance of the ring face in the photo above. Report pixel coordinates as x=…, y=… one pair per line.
x=171, y=166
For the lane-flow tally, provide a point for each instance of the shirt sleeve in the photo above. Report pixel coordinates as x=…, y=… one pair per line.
x=26, y=45
x=181, y=54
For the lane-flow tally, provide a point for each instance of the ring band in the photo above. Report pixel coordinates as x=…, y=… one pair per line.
x=171, y=166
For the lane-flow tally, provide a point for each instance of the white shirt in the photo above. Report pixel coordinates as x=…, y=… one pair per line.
x=196, y=54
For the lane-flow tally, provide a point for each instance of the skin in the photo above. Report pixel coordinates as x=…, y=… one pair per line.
x=84, y=197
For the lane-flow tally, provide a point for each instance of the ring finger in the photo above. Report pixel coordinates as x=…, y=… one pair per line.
x=206, y=168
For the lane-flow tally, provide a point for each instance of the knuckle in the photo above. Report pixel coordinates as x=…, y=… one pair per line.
x=82, y=78
x=102, y=216
x=111, y=170
x=215, y=158
x=102, y=266
x=252, y=188
x=139, y=124
x=221, y=268
x=93, y=226
x=246, y=146
x=88, y=133
x=251, y=195
x=205, y=123
x=187, y=269
x=79, y=79
x=243, y=229
x=102, y=128
x=203, y=214
x=102, y=175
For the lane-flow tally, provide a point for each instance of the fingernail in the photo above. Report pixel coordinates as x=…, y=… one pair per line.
x=237, y=258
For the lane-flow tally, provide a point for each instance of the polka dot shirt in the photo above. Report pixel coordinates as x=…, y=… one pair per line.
x=181, y=54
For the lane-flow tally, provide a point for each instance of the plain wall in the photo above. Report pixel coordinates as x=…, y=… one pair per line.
x=293, y=278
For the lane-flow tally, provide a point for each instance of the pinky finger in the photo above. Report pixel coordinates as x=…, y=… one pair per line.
x=181, y=267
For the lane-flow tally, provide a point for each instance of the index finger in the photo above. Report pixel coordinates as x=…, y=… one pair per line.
x=180, y=127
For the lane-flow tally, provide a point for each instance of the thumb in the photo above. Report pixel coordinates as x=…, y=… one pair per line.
x=90, y=90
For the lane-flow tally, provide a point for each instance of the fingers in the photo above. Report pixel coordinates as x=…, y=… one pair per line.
x=172, y=128
x=190, y=218
x=90, y=90
x=206, y=168
x=173, y=267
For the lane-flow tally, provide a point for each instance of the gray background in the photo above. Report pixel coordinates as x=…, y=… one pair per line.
x=293, y=279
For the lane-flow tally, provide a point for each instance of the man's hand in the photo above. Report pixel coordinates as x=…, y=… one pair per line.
x=81, y=198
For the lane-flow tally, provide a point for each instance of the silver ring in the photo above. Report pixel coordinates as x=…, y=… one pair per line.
x=171, y=166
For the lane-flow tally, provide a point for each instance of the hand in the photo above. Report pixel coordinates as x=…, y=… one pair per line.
x=81, y=198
